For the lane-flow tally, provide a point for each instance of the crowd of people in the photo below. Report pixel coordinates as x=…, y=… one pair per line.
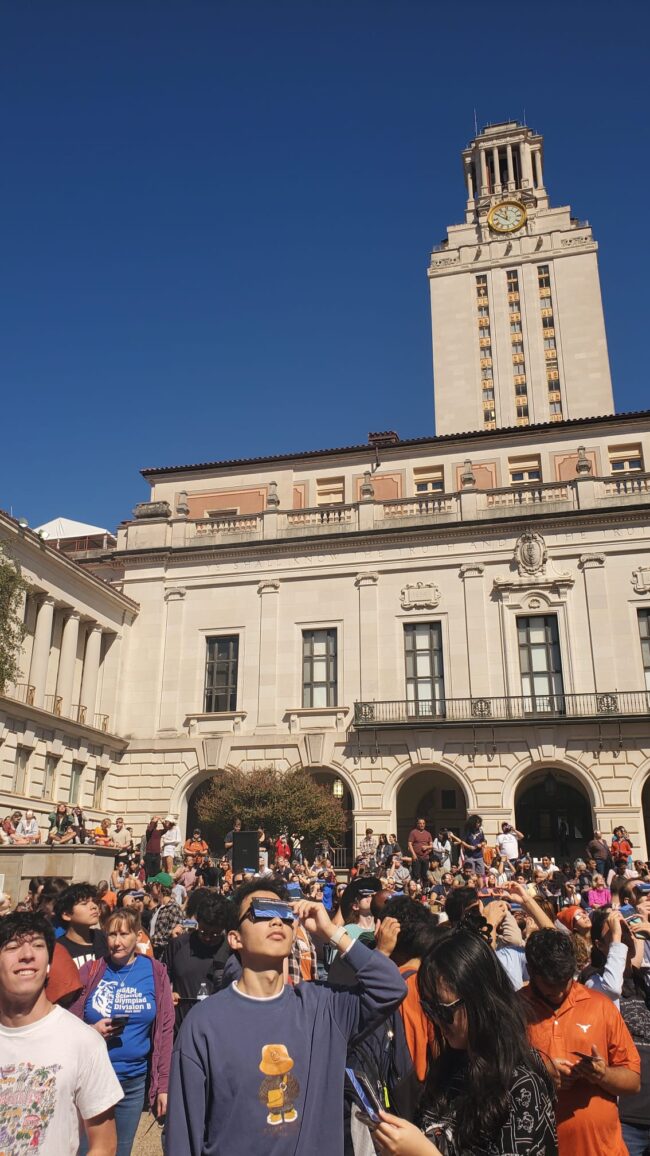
x=447, y=997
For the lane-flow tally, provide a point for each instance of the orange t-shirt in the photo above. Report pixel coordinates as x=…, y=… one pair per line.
x=110, y=898
x=143, y=944
x=420, y=1036
x=587, y=1118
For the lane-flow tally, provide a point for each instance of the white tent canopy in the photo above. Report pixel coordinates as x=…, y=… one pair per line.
x=61, y=528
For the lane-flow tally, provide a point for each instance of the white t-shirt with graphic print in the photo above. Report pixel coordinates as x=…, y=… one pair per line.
x=53, y=1072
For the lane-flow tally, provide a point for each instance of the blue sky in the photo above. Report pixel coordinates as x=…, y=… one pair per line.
x=217, y=217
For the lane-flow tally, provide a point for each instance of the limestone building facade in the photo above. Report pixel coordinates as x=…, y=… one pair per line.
x=58, y=738
x=482, y=647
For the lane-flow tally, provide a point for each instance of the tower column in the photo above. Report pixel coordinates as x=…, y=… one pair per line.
x=526, y=164
x=511, y=171
x=90, y=673
x=537, y=161
x=497, y=172
x=470, y=183
x=484, y=178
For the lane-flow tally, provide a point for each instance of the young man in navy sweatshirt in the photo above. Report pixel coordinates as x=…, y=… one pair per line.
x=260, y=1066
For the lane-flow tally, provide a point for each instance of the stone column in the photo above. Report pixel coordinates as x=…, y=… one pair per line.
x=599, y=615
x=484, y=176
x=368, y=636
x=171, y=660
x=67, y=661
x=526, y=164
x=90, y=674
x=269, y=592
x=511, y=171
x=41, y=649
x=497, y=171
x=538, y=169
x=475, y=616
x=470, y=183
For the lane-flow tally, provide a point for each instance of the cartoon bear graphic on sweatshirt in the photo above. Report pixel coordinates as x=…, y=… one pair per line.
x=279, y=1090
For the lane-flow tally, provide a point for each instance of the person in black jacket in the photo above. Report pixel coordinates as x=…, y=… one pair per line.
x=195, y=960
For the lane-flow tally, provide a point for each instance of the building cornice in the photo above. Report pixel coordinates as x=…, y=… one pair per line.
x=400, y=448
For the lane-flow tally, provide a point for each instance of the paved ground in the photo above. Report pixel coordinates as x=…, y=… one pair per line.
x=147, y=1140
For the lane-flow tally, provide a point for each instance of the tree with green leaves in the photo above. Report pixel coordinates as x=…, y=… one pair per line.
x=13, y=588
x=275, y=800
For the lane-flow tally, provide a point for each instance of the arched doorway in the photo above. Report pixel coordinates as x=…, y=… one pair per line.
x=435, y=796
x=645, y=808
x=553, y=812
x=339, y=789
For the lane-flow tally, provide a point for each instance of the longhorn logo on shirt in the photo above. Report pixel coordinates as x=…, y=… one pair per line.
x=583, y=1027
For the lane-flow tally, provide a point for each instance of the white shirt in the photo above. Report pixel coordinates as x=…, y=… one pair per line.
x=27, y=828
x=54, y=1072
x=170, y=841
x=508, y=845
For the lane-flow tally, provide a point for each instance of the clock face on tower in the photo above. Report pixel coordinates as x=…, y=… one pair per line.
x=506, y=217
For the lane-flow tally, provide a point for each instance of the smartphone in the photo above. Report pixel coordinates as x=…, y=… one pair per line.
x=633, y=919
x=118, y=1023
x=294, y=891
x=583, y=1056
x=364, y=1094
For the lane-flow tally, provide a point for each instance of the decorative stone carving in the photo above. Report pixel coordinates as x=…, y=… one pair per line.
x=421, y=596
x=152, y=510
x=481, y=708
x=530, y=553
x=641, y=580
x=182, y=508
x=468, y=477
x=472, y=570
x=590, y=561
x=175, y=594
x=607, y=703
x=367, y=490
x=583, y=465
x=272, y=498
x=268, y=586
x=368, y=578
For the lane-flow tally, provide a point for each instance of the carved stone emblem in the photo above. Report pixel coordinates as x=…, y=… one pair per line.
x=421, y=596
x=530, y=553
x=641, y=580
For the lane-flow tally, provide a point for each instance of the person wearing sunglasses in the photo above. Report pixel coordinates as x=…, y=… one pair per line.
x=486, y=1090
x=260, y=1066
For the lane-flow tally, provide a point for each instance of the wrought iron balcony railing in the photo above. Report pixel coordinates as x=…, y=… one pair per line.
x=613, y=704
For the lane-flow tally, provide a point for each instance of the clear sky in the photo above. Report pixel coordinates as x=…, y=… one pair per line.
x=217, y=217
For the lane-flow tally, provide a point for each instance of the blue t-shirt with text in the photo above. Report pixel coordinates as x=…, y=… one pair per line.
x=126, y=991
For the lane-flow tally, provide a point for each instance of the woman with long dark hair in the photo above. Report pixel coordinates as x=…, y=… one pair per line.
x=487, y=1090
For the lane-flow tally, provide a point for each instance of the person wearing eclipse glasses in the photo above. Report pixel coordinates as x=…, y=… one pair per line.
x=260, y=1066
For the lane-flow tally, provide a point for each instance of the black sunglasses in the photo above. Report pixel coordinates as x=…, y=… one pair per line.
x=441, y=1013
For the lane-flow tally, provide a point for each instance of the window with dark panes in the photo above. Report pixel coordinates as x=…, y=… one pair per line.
x=221, y=673
x=540, y=664
x=319, y=680
x=425, y=680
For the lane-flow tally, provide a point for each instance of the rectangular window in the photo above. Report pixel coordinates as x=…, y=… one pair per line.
x=222, y=660
x=319, y=681
x=512, y=278
x=486, y=373
x=425, y=681
x=540, y=664
x=429, y=480
x=549, y=343
x=49, y=777
x=20, y=770
x=625, y=459
x=555, y=407
x=76, y=773
x=543, y=277
x=521, y=389
x=524, y=470
x=98, y=789
x=488, y=393
x=515, y=326
x=644, y=631
x=330, y=491
x=522, y=410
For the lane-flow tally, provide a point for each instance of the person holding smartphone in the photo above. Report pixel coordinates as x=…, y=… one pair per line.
x=260, y=1066
x=127, y=999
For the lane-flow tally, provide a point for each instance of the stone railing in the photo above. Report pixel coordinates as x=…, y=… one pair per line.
x=468, y=505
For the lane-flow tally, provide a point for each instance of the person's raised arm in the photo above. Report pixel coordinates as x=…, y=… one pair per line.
x=531, y=907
